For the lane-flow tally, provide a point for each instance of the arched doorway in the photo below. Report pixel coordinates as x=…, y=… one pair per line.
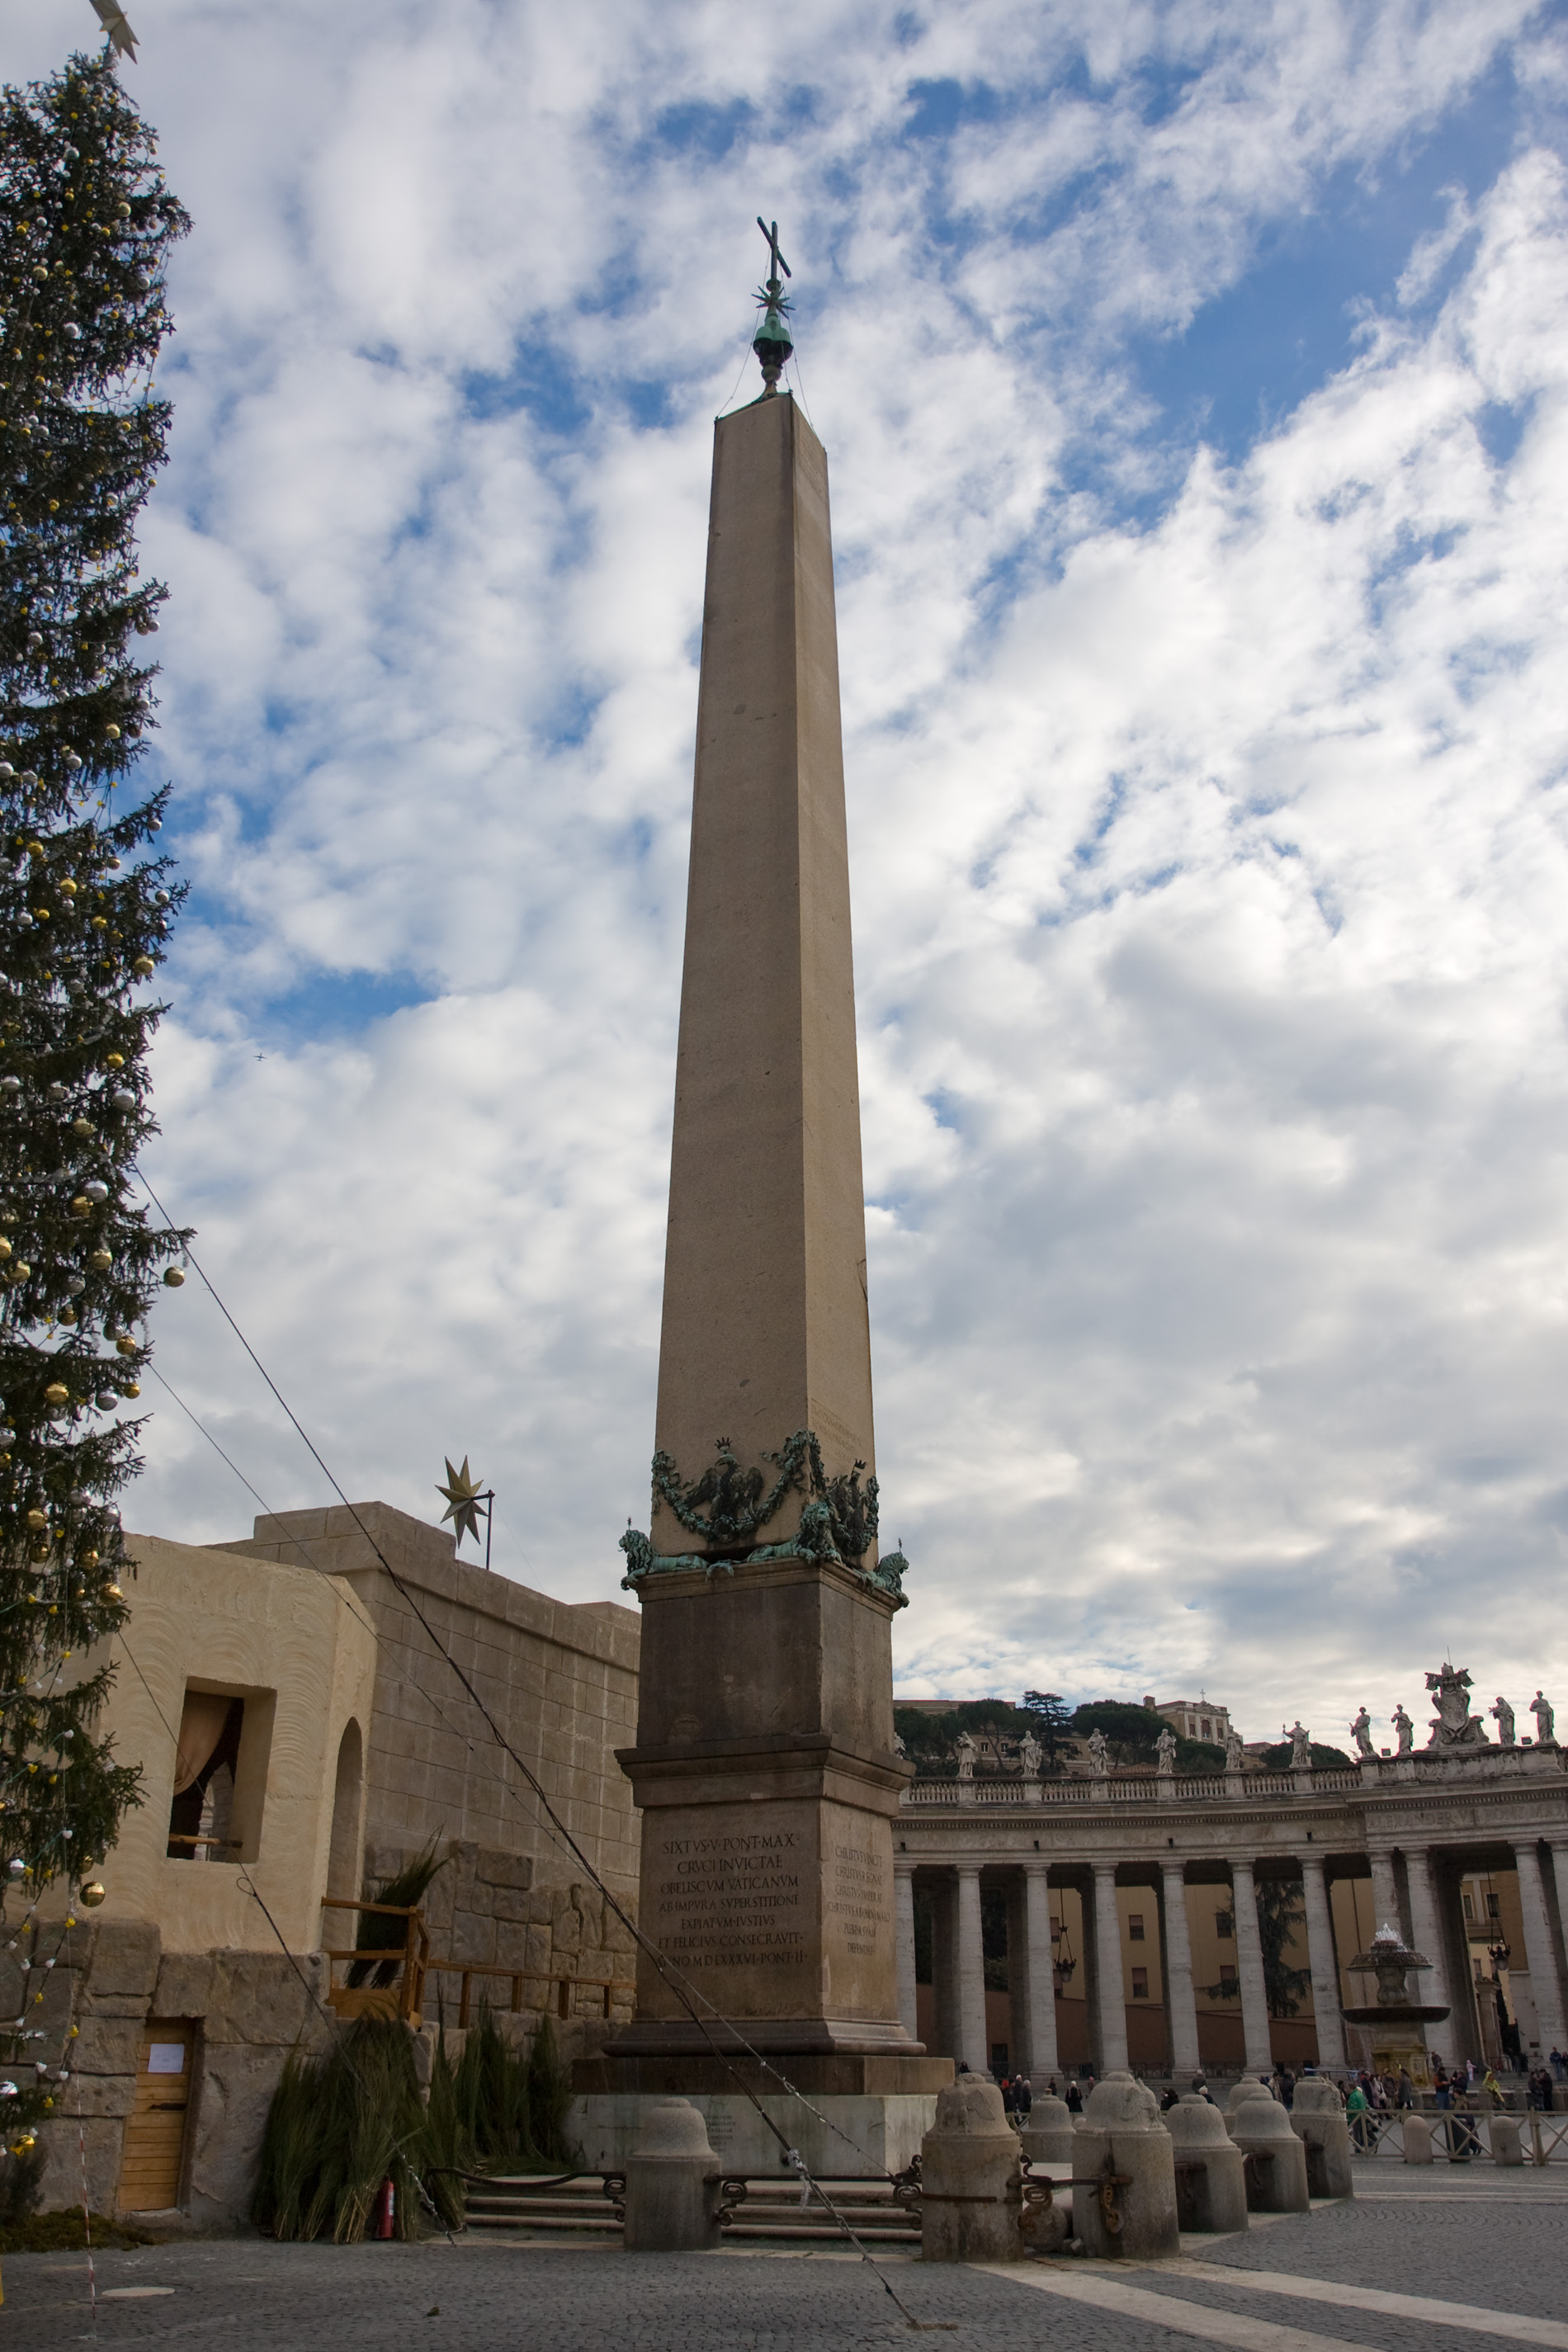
x=348, y=1792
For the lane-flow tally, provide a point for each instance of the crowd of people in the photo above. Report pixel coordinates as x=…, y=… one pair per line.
x=1367, y=2096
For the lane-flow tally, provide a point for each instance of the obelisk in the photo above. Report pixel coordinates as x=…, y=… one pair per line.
x=764, y=1762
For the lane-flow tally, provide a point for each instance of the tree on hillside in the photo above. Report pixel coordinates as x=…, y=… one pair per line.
x=86, y=226
x=1324, y=1759
x=1132, y=1732
x=1051, y=1719
x=931, y=1740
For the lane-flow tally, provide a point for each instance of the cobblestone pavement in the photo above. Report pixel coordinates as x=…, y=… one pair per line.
x=1496, y=2249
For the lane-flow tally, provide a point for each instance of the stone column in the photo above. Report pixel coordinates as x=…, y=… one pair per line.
x=1427, y=1935
x=1113, y=2051
x=944, y=1965
x=1250, y=1968
x=1385, y=1905
x=1181, y=2007
x=1538, y=1950
x=904, y=1943
x=1038, y=1978
x=972, y=2043
x=1560, y=1873
x=1322, y=1961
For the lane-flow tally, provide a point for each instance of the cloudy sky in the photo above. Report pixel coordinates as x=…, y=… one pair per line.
x=1193, y=377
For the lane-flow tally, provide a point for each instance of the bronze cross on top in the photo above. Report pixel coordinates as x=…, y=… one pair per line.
x=773, y=237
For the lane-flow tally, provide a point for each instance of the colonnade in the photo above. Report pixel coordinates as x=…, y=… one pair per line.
x=961, y=1967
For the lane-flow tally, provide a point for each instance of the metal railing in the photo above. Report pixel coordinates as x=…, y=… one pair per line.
x=1459, y=2135
x=404, y=1997
x=399, y=1998
x=517, y=1978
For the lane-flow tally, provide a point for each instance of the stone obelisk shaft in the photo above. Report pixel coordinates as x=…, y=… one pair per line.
x=765, y=1327
x=765, y=1762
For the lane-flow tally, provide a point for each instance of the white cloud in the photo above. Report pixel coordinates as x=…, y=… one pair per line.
x=1205, y=825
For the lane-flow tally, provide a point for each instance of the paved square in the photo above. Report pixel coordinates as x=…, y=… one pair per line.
x=1404, y=2268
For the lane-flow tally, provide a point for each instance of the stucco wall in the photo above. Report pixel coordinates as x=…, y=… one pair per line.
x=204, y=1616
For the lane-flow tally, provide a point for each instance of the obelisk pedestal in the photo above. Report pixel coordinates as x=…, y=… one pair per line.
x=764, y=1763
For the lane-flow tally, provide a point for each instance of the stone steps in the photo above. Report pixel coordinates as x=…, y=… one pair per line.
x=771, y=2213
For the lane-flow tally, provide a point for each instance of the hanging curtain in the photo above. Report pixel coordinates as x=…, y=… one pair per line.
x=201, y=1729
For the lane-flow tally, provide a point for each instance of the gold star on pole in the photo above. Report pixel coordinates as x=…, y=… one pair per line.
x=112, y=17
x=462, y=1494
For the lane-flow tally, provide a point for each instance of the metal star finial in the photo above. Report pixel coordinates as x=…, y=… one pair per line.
x=464, y=1496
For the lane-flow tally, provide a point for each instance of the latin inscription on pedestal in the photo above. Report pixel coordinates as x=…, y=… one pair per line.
x=786, y=1916
x=732, y=1902
x=857, y=1903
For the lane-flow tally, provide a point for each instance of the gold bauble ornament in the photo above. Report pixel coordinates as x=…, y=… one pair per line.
x=131, y=1388
x=37, y=1518
x=145, y=964
x=93, y=1893
x=112, y=1593
x=173, y=1277
x=57, y=1393
x=101, y=1261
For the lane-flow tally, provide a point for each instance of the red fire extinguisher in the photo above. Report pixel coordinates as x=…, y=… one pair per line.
x=385, y=2209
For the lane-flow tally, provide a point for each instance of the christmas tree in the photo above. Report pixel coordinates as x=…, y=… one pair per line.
x=86, y=226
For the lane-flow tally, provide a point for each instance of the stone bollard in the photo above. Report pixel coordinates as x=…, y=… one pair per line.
x=672, y=2183
x=1276, y=2170
x=1318, y=2120
x=1124, y=2176
x=1211, y=2170
x=1247, y=2088
x=1047, y=2137
x=1417, y=2138
x=971, y=2196
x=1503, y=2132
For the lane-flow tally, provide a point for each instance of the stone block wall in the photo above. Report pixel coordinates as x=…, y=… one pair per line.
x=486, y=1909
x=561, y=1683
x=251, y=2009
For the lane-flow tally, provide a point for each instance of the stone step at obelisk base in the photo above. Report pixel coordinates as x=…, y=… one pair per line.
x=764, y=1763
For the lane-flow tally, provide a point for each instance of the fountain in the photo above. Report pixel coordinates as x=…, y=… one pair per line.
x=1394, y=2018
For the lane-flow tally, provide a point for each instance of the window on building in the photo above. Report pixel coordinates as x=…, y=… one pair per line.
x=220, y=1775
x=1140, y=1984
x=1470, y=1906
x=1207, y=1728
x=1494, y=1906
x=1224, y=1925
x=1226, y=1972
x=1135, y=1926
x=1055, y=1931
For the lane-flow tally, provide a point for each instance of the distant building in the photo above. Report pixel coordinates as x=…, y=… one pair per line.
x=1194, y=1718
